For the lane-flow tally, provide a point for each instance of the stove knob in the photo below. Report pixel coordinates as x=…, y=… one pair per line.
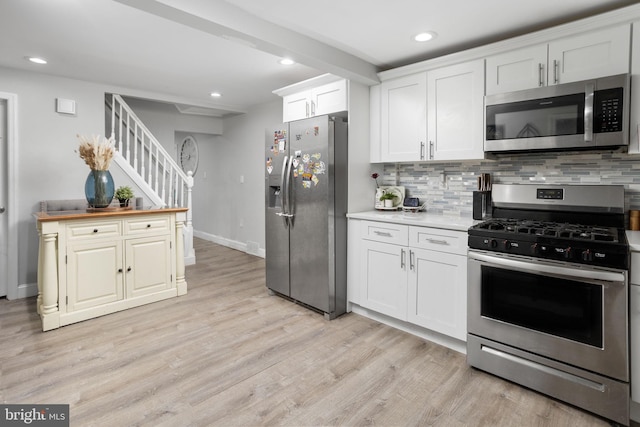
x=506, y=244
x=587, y=255
x=567, y=253
x=493, y=243
x=535, y=249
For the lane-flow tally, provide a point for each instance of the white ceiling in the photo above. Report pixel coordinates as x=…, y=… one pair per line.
x=182, y=50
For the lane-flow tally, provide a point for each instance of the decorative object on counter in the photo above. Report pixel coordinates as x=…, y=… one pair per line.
x=634, y=220
x=393, y=196
x=98, y=188
x=375, y=177
x=387, y=198
x=123, y=194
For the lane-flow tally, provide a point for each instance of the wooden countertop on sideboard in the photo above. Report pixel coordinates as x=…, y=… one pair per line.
x=78, y=214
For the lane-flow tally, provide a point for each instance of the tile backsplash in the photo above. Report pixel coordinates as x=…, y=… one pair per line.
x=447, y=187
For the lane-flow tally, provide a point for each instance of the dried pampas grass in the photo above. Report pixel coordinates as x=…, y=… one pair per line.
x=95, y=153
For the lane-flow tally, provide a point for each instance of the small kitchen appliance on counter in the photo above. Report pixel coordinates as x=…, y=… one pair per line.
x=548, y=294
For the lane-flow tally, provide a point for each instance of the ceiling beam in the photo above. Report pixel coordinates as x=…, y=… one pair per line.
x=221, y=19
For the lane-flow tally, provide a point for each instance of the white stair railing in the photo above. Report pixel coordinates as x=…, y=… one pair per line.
x=150, y=166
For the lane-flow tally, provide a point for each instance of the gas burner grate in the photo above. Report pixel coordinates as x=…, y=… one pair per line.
x=551, y=229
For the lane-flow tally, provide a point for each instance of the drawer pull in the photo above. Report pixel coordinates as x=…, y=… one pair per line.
x=148, y=225
x=438, y=242
x=119, y=270
x=383, y=233
x=95, y=230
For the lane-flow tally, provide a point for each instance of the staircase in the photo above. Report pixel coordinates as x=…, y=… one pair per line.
x=150, y=166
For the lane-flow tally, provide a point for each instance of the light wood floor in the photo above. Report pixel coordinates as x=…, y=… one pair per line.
x=228, y=354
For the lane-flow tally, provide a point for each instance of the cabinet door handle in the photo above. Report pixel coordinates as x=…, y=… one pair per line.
x=307, y=108
x=119, y=270
x=431, y=144
x=411, y=262
x=313, y=108
x=437, y=242
x=383, y=233
x=421, y=150
x=128, y=269
x=556, y=66
x=402, y=255
x=540, y=75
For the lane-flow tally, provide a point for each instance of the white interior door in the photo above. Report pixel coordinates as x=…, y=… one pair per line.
x=4, y=226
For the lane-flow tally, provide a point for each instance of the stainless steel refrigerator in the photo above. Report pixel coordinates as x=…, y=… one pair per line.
x=306, y=206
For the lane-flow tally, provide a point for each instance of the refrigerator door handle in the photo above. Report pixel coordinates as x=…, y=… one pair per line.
x=290, y=212
x=283, y=193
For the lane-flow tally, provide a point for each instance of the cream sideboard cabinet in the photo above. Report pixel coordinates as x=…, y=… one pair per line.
x=584, y=56
x=91, y=264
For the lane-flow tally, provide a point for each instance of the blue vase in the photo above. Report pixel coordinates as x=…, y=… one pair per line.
x=99, y=189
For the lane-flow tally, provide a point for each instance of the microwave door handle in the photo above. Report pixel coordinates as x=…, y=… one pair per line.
x=588, y=112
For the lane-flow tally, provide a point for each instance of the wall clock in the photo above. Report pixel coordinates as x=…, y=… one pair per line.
x=188, y=154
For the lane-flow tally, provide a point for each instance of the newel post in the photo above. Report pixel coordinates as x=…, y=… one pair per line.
x=190, y=254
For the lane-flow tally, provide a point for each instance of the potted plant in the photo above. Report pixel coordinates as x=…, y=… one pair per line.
x=387, y=198
x=123, y=194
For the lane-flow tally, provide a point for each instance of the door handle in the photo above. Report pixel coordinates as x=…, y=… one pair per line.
x=412, y=265
x=402, y=255
x=540, y=74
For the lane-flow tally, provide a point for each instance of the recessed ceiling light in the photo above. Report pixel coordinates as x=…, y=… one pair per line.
x=286, y=61
x=425, y=37
x=216, y=94
x=36, y=60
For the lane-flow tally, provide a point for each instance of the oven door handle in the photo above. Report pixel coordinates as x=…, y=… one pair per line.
x=536, y=268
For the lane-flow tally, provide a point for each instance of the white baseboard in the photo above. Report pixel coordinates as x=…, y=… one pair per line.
x=452, y=343
x=635, y=411
x=27, y=290
x=233, y=244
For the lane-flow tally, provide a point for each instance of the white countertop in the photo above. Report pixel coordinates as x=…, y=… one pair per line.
x=423, y=219
x=634, y=240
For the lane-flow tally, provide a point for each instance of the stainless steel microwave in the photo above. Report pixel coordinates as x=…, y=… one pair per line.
x=589, y=114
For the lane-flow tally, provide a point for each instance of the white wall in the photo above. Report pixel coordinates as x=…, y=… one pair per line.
x=47, y=165
x=226, y=210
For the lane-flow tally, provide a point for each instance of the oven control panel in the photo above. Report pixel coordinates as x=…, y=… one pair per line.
x=613, y=256
x=550, y=193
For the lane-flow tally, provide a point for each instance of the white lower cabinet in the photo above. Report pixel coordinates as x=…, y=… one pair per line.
x=634, y=321
x=415, y=274
x=384, y=275
x=438, y=292
x=634, y=325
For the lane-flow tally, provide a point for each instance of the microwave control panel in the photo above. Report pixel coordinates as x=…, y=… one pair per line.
x=607, y=114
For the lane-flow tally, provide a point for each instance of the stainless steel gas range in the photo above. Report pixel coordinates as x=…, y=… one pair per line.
x=548, y=294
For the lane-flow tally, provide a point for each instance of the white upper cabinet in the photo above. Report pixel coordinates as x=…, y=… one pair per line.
x=329, y=98
x=403, y=126
x=516, y=70
x=325, y=99
x=581, y=57
x=454, y=106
